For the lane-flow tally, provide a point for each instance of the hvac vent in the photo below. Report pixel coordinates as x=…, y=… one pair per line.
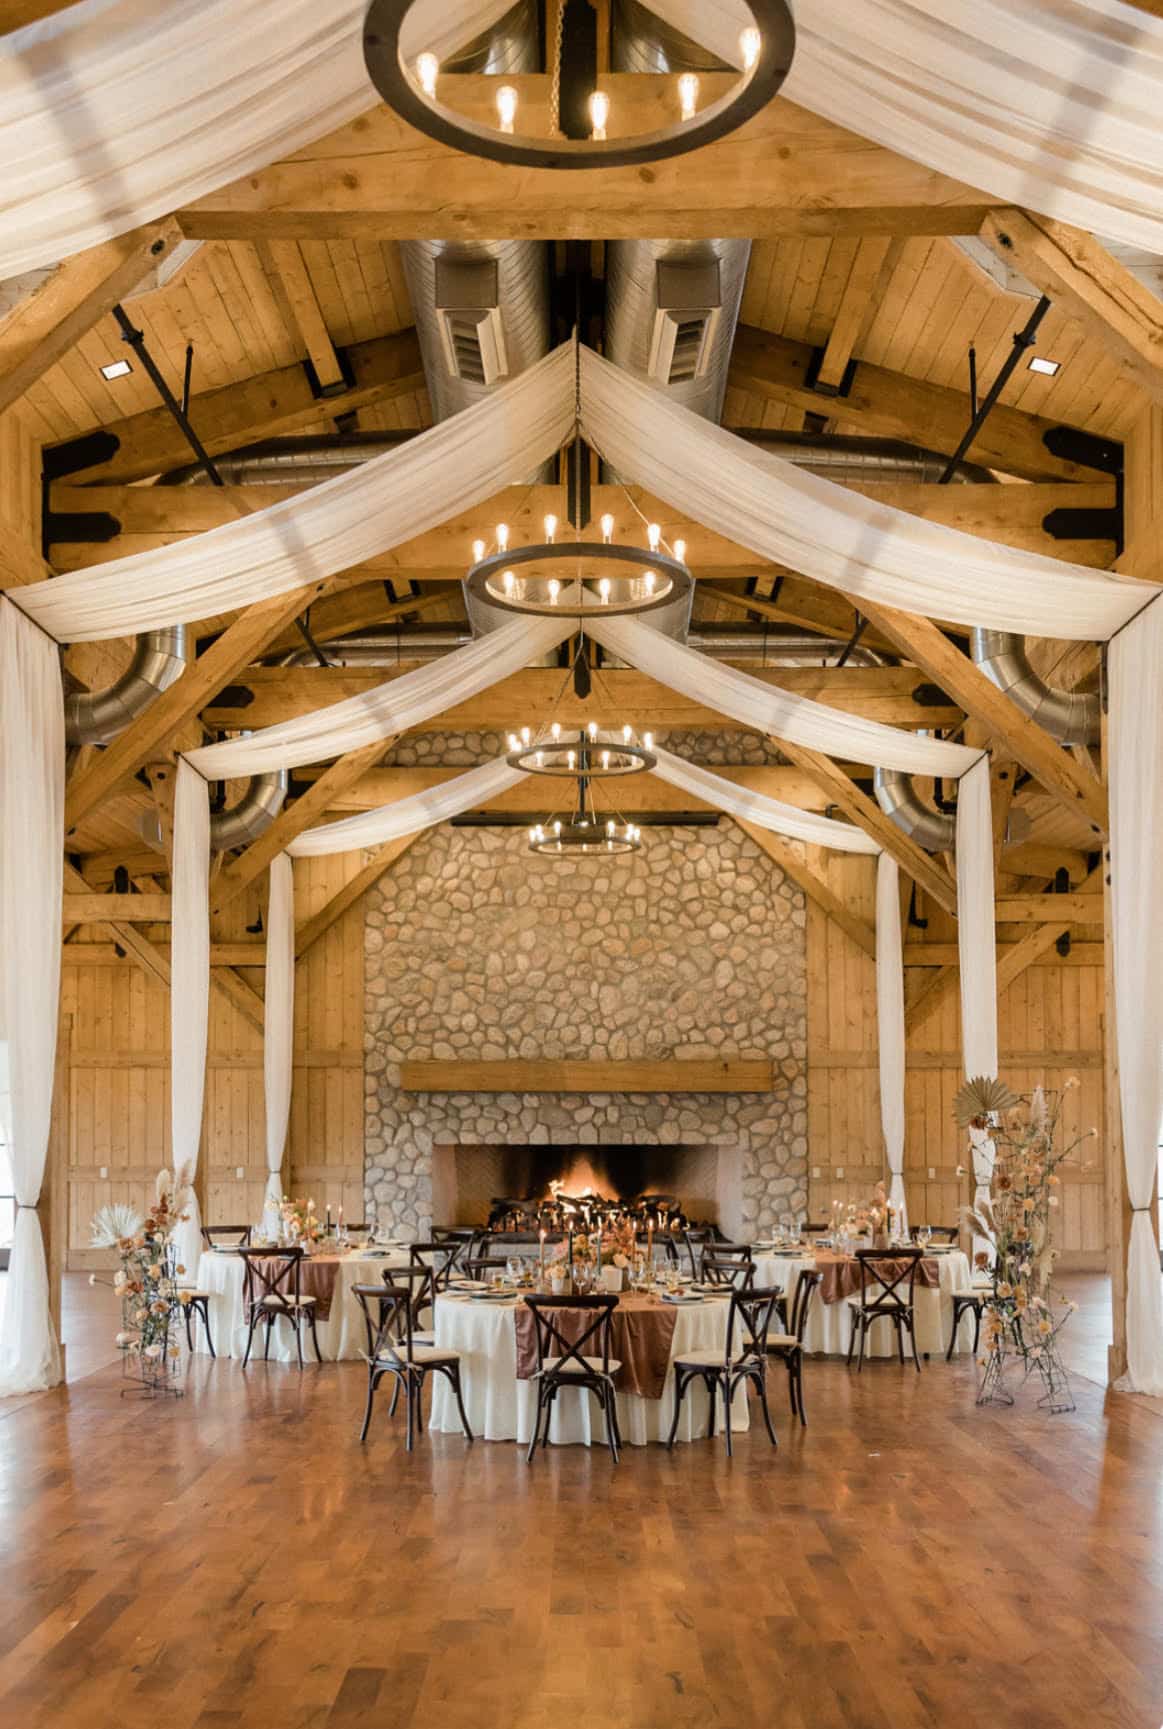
x=468, y=314
x=689, y=304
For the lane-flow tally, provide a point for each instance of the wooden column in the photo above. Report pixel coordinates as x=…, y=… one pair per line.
x=1118, y=1200
x=53, y=1206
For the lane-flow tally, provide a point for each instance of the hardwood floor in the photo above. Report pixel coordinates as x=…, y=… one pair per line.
x=235, y=1559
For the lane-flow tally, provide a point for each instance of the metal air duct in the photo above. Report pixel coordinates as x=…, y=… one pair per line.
x=243, y=823
x=1073, y=717
x=764, y=648
x=899, y=800
x=98, y=716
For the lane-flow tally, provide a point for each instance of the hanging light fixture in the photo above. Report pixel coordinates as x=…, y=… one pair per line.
x=592, y=752
x=766, y=47
x=581, y=578
x=584, y=833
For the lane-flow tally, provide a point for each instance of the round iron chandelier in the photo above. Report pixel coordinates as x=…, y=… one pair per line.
x=580, y=578
x=413, y=91
x=585, y=832
x=591, y=752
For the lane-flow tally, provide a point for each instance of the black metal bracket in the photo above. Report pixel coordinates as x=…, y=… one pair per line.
x=341, y=386
x=812, y=376
x=577, y=490
x=136, y=341
x=1022, y=340
x=70, y=527
x=1069, y=522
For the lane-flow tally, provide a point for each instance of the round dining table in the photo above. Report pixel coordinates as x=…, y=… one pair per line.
x=943, y=1272
x=503, y=1407
x=339, y=1323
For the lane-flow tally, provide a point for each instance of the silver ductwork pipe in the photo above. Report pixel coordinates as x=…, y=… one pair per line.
x=1073, y=717
x=98, y=716
x=302, y=461
x=770, y=648
x=849, y=459
x=899, y=800
x=243, y=823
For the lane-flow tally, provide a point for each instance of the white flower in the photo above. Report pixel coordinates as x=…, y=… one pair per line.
x=153, y=1351
x=123, y=1340
x=112, y=1224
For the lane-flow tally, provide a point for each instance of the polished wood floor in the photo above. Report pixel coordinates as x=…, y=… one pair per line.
x=235, y=1559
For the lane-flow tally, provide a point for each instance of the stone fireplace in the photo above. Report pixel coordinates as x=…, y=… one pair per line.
x=466, y=1180
x=692, y=949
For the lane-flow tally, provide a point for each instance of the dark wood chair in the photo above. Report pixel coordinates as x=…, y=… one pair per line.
x=814, y=1230
x=419, y=1282
x=234, y=1236
x=272, y=1289
x=662, y=1240
x=789, y=1346
x=479, y=1267
x=742, y=1360
x=972, y=1302
x=440, y=1258
x=393, y=1350
x=695, y=1240
x=940, y=1233
x=727, y=1264
x=562, y=1362
x=888, y=1279
x=196, y=1306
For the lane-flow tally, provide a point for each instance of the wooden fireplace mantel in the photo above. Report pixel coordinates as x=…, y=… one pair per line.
x=674, y=1075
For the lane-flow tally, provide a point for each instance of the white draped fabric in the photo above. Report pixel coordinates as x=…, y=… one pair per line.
x=836, y=536
x=189, y=993
x=390, y=708
x=278, y=1019
x=409, y=815
x=1052, y=104
x=977, y=954
x=32, y=795
x=890, y=1024
x=1136, y=789
x=758, y=808
x=768, y=709
x=329, y=528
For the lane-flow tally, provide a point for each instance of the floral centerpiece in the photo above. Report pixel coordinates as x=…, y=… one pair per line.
x=300, y=1222
x=876, y=1218
x=611, y=1245
x=1022, y=1318
x=146, y=1281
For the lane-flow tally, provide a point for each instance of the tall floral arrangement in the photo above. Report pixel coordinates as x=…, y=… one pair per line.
x=146, y=1279
x=300, y=1222
x=1021, y=1316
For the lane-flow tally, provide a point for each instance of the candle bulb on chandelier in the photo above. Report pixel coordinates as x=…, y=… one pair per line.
x=649, y=580
x=688, y=95
x=626, y=735
x=604, y=590
x=599, y=115
x=554, y=589
x=478, y=551
x=506, y=107
x=526, y=735
x=750, y=42
x=607, y=528
x=427, y=67
x=555, y=731
x=502, y=536
x=680, y=551
x=550, y=528
x=653, y=535
x=509, y=581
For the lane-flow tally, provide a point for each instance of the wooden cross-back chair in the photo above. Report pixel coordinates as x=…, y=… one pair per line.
x=742, y=1361
x=236, y=1236
x=888, y=1279
x=727, y=1264
x=941, y=1233
x=695, y=1240
x=789, y=1346
x=393, y=1350
x=563, y=1362
x=442, y=1258
x=272, y=1289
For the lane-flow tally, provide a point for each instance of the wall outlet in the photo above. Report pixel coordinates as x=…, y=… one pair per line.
x=103, y=1172
x=932, y=1173
x=839, y=1173
x=815, y=1173
x=240, y=1172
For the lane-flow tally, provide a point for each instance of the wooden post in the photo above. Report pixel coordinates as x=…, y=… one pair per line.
x=53, y=1206
x=1118, y=1200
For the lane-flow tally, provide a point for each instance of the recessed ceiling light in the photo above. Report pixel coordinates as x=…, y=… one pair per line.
x=116, y=369
x=1049, y=367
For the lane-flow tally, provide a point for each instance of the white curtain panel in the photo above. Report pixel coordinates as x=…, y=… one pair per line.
x=329, y=528
x=768, y=709
x=835, y=536
x=390, y=708
x=32, y=791
x=890, y=1023
x=757, y=807
x=279, y=1019
x=1136, y=790
x=189, y=992
x=1053, y=104
x=977, y=954
x=407, y=816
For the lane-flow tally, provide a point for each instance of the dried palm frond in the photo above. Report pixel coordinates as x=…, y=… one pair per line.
x=982, y=1097
x=981, y=1221
x=113, y=1223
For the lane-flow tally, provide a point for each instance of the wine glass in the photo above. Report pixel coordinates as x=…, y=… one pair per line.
x=925, y=1236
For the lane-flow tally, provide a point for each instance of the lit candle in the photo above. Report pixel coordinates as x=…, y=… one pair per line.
x=541, y=1261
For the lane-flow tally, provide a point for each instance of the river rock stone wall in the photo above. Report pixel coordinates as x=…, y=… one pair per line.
x=693, y=947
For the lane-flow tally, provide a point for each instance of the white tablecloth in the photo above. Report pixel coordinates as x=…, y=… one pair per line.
x=829, y=1324
x=502, y=1408
x=341, y=1336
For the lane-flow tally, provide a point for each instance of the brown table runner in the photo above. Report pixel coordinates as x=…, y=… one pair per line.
x=640, y=1338
x=317, y=1276
x=842, y=1274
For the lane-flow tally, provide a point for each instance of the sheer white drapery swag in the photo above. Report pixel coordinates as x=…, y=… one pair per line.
x=1136, y=789
x=32, y=798
x=189, y=994
x=977, y=954
x=1053, y=104
x=890, y=1025
x=329, y=528
x=278, y=1020
x=838, y=537
x=409, y=815
x=759, y=808
x=768, y=709
x=389, y=708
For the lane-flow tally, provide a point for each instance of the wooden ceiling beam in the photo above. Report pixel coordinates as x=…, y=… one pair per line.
x=292, y=820
x=299, y=305
x=856, y=309
x=71, y=299
x=893, y=405
x=1028, y=743
x=268, y=404
x=151, y=733
x=785, y=172
x=867, y=814
x=1012, y=961
x=781, y=852
x=381, y=860
x=1082, y=279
